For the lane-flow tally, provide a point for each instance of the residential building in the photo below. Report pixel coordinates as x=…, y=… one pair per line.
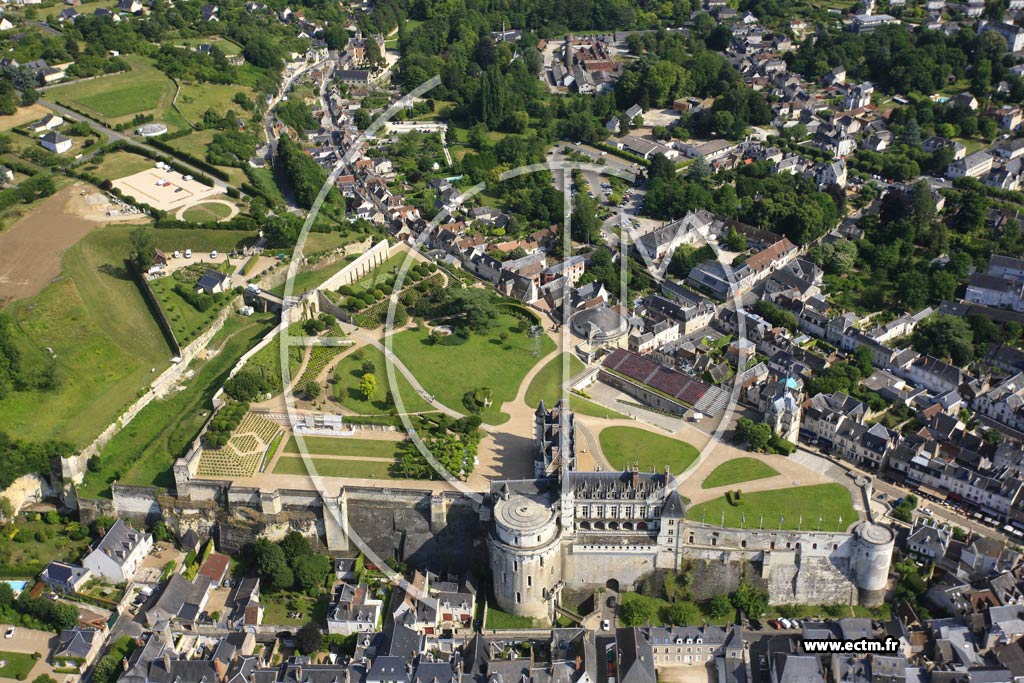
x=119, y=553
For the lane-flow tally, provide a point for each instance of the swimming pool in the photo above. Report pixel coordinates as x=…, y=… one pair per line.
x=16, y=585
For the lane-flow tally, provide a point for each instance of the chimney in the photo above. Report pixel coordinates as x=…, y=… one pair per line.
x=124, y=663
x=636, y=474
x=167, y=661
x=578, y=660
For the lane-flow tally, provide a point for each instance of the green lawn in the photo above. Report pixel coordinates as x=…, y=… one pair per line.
x=120, y=164
x=546, y=385
x=482, y=361
x=206, y=212
x=798, y=507
x=624, y=445
x=143, y=90
x=265, y=183
x=738, y=470
x=279, y=604
x=328, y=467
x=103, y=335
x=227, y=47
x=362, y=448
x=346, y=385
x=18, y=665
x=387, y=269
x=306, y=280
x=496, y=619
x=186, y=320
x=143, y=452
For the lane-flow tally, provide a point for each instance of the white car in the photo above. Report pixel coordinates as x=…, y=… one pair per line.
x=213, y=254
x=188, y=177
x=606, y=625
x=9, y=633
x=188, y=253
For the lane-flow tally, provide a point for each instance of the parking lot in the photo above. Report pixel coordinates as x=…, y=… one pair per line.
x=165, y=190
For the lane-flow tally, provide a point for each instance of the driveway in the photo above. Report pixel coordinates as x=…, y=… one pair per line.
x=28, y=641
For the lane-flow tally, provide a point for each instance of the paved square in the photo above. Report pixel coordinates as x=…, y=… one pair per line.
x=164, y=190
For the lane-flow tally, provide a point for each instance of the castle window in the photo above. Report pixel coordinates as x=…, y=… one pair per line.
x=814, y=546
x=519, y=597
x=538, y=538
x=771, y=545
x=691, y=538
x=504, y=577
x=529, y=581
x=542, y=561
x=515, y=565
x=743, y=544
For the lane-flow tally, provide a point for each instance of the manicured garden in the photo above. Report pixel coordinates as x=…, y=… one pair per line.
x=738, y=470
x=787, y=508
x=622, y=446
x=546, y=385
x=452, y=369
x=333, y=467
x=349, y=372
x=17, y=665
x=207, y=212
x=362, y=448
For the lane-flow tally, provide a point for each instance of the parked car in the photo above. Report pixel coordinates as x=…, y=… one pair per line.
x=188, y=253
x=9, y=633
x=606, y=625
x=213, y=254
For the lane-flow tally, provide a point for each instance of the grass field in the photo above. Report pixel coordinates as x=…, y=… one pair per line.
x=362, y=448
x=121, y=164
x=227, y=47
x=103, y=335
x=195, y=98
x=496, y=619
x=186, y=321
x=17, y=665
x=279, y=604
x=180, y=239
x=788, y=508
x=119, y=97
x=546, y=385
x=328, y=467
x=624, y=445
x=265, y=183
x=346, y=385
x=738, y=470
x=206, y=212
x=143, y=452
x=306, y=280
x=483, y=361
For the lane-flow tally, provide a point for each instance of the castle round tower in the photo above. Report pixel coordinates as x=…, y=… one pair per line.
x=524, y=554
x=869, y=561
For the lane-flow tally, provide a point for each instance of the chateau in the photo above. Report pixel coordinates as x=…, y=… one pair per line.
x=584, y=530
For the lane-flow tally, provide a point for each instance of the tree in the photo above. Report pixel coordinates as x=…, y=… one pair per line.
x=719, y=607
x=751, y=599
x=311, y=388
x=64, y=616
x=735, y=241
x=682, y=613
x=295, y=545
x=757, y=435
x=362, y=119
x=160, y=531
x=904, y=510
x=475, y=306
x=140, y=251
x=945, y=336
x=309, y=639
x=310, y=571
x=636, y=612
x=585, y=225
x=368, y=386
x=272, y=564
x=369, y=366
